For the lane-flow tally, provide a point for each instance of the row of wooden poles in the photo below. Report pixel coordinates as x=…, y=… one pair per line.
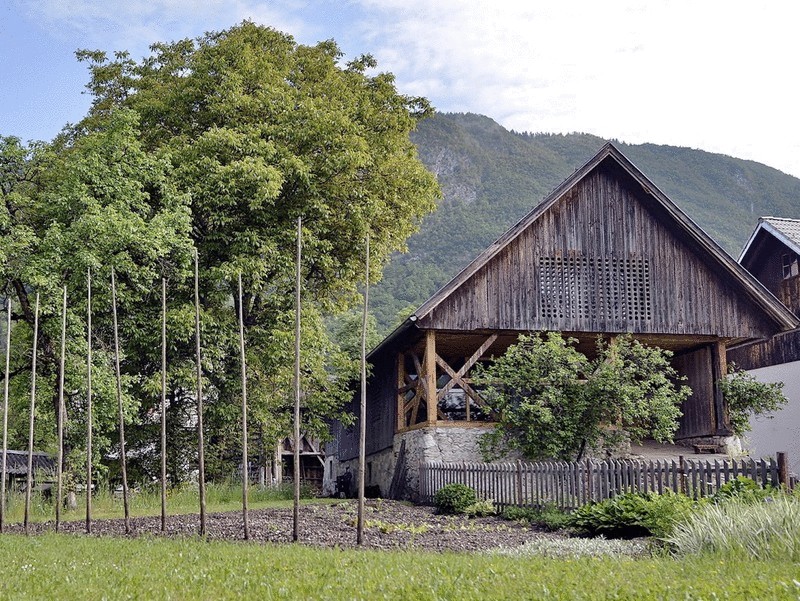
x=199, y=383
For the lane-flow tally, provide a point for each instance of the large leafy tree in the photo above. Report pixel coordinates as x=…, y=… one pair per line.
x=97, y=201
x=237, y=134
x=551, y=401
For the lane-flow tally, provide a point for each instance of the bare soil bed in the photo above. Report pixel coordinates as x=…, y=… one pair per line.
x=389, y=525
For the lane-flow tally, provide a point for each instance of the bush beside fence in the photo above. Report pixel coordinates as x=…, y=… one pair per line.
x=569, y=485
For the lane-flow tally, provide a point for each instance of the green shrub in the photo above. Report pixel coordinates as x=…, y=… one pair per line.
x=633, y=514
x=548, y=517
x=454, y=498
x=767, y=530
x=481, y=508
x=745, y=490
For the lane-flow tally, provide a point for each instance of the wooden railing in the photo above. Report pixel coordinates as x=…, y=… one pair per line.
x=569, y=485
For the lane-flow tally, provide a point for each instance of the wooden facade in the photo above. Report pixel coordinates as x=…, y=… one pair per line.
x=772, y=255
x=606, y=253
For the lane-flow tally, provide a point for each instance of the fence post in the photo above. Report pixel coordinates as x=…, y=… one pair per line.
x=519, y=483
x=683, y=477
x=783, y=471
x=589, y=480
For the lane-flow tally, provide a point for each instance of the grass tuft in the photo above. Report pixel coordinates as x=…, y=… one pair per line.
x=769, y=530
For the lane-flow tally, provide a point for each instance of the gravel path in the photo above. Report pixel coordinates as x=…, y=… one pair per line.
x=389, y=525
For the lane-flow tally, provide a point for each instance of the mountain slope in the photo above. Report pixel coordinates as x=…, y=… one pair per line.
x=491, y=177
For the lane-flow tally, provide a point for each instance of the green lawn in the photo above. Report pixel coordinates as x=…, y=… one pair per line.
x=71, y=567
x=219, y=497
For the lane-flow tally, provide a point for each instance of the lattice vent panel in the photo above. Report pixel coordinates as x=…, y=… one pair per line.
x=594, y=288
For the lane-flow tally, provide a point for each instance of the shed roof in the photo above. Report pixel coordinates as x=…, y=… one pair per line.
x=17, y=463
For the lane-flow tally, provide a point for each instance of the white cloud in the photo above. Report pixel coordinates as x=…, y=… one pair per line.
x=714, y=75
x=135, y=24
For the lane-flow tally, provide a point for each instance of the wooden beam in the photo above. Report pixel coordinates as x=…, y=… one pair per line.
x=467, y=366
x=430, y=375
x=401, y=393
x=719, y=369
x=456, y=379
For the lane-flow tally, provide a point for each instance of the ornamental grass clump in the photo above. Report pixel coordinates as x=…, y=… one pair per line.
x=769, y=530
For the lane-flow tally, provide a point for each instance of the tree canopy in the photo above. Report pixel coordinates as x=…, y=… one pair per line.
x=216, y=144
x=551, y=401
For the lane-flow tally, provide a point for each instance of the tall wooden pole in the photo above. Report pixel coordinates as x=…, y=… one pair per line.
x=296, y=512
x=245, y=470
x=5, y=417
x=201, y=462
x=61, y=413
x=29, y=481
x=89, y=413
x=163, y=405
x=122, y=458
x=362, y=420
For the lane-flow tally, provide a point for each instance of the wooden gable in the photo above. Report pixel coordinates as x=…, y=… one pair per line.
x=607, y=252
x=772, y=255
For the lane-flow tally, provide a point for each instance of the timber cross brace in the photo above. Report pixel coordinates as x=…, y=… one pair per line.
x=419, y=398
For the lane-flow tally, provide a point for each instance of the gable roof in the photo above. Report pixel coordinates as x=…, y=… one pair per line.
x=784, y=229
x=750, y=285
x=740, y=278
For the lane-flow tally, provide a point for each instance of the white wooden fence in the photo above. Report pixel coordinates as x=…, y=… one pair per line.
x=569, y=485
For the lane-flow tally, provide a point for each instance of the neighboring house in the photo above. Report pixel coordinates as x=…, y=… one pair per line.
x=44, y=468
x=605, y=253
x=772, y=255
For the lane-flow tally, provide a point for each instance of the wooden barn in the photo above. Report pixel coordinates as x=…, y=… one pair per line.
x=605, y=253
x=772, y=255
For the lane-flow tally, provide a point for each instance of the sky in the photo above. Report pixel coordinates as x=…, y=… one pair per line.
x=716, y=75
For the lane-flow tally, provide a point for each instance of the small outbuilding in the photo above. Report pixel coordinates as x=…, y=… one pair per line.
x=44, y=468
x=605, y=253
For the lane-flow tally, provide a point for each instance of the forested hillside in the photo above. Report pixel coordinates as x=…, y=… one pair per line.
x=490, y=177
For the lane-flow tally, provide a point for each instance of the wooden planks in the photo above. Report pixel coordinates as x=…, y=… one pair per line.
x=603, y=220
x=568, y=485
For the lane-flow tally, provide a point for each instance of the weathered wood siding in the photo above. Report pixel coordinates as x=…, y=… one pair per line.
x=765, y=262
x=601, y=259
x=783, y=348
x=381, y=412
x=698, y=409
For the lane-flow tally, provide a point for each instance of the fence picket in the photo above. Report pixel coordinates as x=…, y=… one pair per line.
x=569, y=485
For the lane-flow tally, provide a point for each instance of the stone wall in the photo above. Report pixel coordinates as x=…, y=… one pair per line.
x=448, y=444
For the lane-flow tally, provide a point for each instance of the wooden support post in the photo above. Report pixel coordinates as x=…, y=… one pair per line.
x=5, y=416
x=163, y=404
x=61, y=413
x=430, y=375
x=719, y=369
x=245, y=463
x=201, y=461
x=89, y=412
x=31, y=417
x=683, y=477
x=783, y=472
x=401, y=396
x=122, y=457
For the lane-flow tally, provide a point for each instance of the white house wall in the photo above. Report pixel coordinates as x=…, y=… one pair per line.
x=782, y=432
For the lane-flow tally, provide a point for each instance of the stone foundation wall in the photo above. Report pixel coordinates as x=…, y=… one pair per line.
x=728, y=445
x=448, y=444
